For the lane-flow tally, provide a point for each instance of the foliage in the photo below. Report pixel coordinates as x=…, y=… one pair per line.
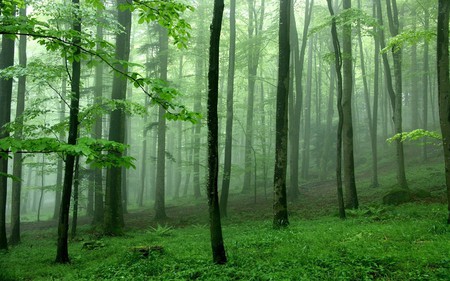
x=92, y=149
x=51, y=34
x=415, y=135
x=408, y=37
x=161, y=230
x=349, y=16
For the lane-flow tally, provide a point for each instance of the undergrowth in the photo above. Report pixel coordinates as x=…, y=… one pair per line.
x=407, y=242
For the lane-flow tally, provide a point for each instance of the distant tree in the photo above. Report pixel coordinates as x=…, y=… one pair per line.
x=338, y=65
x=395, y=94
x=113, y=203
x=160, y=189
x=443, y=66
x=218, y=249
x=280, y=214
x=229, y=123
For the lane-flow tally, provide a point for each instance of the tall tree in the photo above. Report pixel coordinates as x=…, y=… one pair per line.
x=218, y=249
x=443, y=66
x=280, y=214
x=160, y=209
x=229, y=123
x=338, y=65
x=199, y=82
x=296, y=105
x=97, y=132
x=351, y=197
x=17, y=164
x=254, y=29
x=113, y=220
x=397, y=95
x=62, y=251
x=6, y=60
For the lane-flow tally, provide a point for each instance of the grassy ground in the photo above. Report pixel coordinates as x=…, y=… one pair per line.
x=406, y=242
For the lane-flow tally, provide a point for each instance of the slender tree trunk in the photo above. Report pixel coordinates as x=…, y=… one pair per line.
x=160, y=209
x=443, y=66
x=398, y=95
x=229, y=123
x=425, y=77
x=280, y=214
x=307, y=114
x=76, y=185
x=296, y=107
x=218, y=249
x=113, y=220
x=62, y=136
x=338, y=65
x=351, y=197
x=199, y=82
x=62, y=252
x=42, y=189
x=17, y=164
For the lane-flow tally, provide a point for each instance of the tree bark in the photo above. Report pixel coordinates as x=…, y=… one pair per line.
x=351, y=196
x=218, y=249
x=229, y=121
x=113, y=220
x=17, y=164
x=397, y=98
x=444, y=87
x=338, y=65
x=160, y=209
x=280, y=214
x=62, y=252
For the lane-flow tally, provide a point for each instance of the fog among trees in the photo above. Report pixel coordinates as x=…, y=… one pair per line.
x=129, y=114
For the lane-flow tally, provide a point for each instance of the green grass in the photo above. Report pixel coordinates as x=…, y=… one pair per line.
x=408, y=242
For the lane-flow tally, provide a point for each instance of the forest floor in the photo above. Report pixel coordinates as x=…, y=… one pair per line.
x=376, y=242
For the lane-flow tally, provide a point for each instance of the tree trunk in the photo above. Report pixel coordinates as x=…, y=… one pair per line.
x=218, y=249
x=60, y=165
x=351, y=197
x=338, y=65
x=296, y=107
x=17, y=164
x=62, y=252
x=398, y=95
x=425, y=77
x=280, y=214
x=113, y=222
x=76, y=185
x=307, y=114
x=229, y=123
x=444, y=87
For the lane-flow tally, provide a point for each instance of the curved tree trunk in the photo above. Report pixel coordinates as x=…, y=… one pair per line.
x=62, y=252
x=218, y=249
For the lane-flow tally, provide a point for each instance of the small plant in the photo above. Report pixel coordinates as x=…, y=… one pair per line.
x=161, y=230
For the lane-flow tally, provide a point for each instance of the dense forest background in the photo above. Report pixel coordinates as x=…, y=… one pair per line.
x=119, y=93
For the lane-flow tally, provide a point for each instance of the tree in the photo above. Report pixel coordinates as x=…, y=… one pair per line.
x=396, y=95
x=17, y=164
x=6, y=60
x=338, y=65
x=160, y=189
x=62, y=251
x=280, y=214
x=297, y=100
x=229, y=123
x=444, y=87
x=218, y=249
x=113, y=203
x=347, y=126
